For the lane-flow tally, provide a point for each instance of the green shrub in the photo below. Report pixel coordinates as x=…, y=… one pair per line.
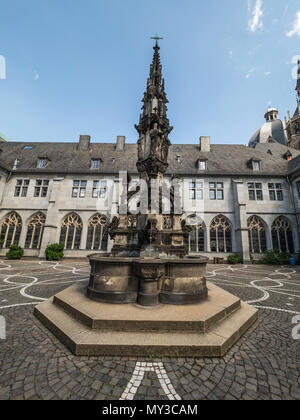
x=275, y=257
x=15, y=252
x=54, y=252
x=187, y=249
x=234, y=259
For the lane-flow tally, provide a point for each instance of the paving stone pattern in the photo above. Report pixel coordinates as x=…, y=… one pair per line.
x=264, y=364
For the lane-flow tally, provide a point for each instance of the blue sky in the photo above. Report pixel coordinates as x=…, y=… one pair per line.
x=80, y=66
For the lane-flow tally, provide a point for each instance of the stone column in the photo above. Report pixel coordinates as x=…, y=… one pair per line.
x=269, y=236
x=23, y=235
x=241, y=230
x=52, y=218
x=84, y=234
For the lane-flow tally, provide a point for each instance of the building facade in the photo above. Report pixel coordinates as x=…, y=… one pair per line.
x=236, y=198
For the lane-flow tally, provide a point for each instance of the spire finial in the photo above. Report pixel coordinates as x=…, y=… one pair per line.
x=156, y=38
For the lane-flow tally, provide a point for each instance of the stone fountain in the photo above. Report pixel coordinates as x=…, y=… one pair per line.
x=148, y=264
x=148, y=269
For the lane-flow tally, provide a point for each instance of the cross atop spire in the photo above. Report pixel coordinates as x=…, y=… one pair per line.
x=156, y=38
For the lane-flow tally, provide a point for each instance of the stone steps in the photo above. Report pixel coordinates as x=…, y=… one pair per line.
x=129, y=317
x=83, y=340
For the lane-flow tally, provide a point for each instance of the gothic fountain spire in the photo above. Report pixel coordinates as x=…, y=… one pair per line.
x=154, y=126
x=298, y=82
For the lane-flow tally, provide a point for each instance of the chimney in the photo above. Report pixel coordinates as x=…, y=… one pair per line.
x=84, y=142
x=120, y=145
x=205, y=143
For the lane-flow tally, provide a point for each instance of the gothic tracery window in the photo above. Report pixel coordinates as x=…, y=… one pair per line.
x=70, y=234
x=282, y=235
x=35, y=231
x=196, y=238
x=257, y=235
x=11, y=230
x=97, y=236
x=220, y=235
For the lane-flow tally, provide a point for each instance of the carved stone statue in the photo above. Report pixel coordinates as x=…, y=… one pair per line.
x=141, y=147
x=113, y=226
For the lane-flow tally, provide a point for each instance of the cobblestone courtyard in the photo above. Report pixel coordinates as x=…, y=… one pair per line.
x=264, y=364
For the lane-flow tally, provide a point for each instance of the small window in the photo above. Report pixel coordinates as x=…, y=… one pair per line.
x=216, y=190
x=95, y=164
x=103, y=189
x=99, y=189
x=42, y=163
x=256, y=165
x=178, y=158
x=21, y=188
x=275, y=192
x=79, y=189
x=196, y=190
x=202, y=165
x=255, y=191
x=41, y=188
x=95, y=189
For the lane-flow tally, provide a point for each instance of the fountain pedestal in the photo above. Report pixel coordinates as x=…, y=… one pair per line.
x=149, y=274
x=147, y=281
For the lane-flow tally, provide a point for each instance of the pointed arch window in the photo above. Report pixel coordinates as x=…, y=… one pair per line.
x=220, y=235
x=70, y=234
x=11, y=230
x=97, y=236
x=35, y=231
x=196, y=238
x=282, y=235
x=257, y=235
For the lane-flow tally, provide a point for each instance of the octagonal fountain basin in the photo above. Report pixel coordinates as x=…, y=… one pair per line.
x=147, y=281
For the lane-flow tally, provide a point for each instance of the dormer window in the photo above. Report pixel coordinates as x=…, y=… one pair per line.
x=202, y=165
x=254, y=164
x=178, y=158
x=42, y=163
x=288, y=156
x=95, y=164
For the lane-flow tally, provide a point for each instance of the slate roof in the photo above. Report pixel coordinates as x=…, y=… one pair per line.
x=294, y=165
x=65, y=158
x=277, y=149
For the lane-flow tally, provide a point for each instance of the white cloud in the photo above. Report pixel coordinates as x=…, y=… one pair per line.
x=257, y=14
x=296, y=27
x=267, y=73
x=250, y=72
x=230, y=53
x=36, y=75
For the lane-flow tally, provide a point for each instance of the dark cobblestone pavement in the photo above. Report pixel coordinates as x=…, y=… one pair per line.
x=264, y=364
